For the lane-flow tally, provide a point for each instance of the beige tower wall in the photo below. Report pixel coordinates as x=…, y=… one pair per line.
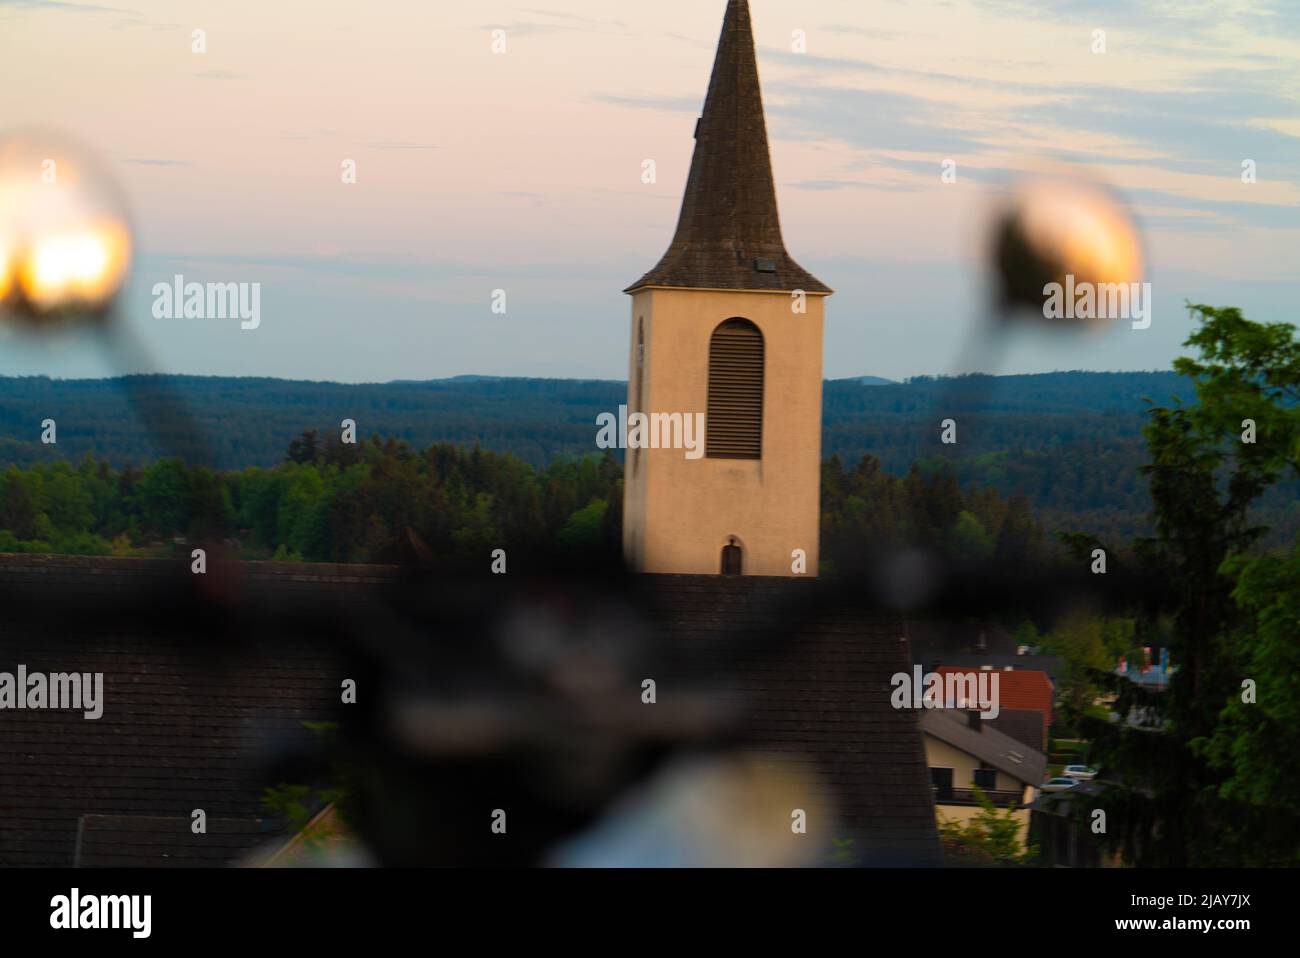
x=680, y=513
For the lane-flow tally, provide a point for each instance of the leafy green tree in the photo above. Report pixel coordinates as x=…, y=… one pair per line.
x=17, y=511
x=1252, y=740
x=1192, y=785
x=1080, y=641
x=305, y=449
x=969, y=538
x=163, y=497
x=992, y=837
x=585, y=529
x=480, y=533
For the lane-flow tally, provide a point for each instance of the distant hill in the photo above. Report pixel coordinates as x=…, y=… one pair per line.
x=250, y=422
x=1070, y=441
x=867, y=381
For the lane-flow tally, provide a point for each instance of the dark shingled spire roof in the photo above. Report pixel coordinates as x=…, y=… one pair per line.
x=729, y=234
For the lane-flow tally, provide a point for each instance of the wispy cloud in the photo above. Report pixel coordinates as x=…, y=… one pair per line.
x=821, y=186
x=524, y=28
x=874, y=33
x=64, y=6
x=154, y=161
x=1199, y=17
x=669, y=104
x=590, y=21
x=873, y=119
x=401, y=145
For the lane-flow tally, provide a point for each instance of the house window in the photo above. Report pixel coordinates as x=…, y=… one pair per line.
x=734, y=427
x=941, y=779
x=733, y=559
x=986, y=778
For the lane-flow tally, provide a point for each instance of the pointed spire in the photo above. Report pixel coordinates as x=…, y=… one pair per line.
x=729, y=233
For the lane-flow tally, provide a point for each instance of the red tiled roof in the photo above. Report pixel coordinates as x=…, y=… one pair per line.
x=1020, y=689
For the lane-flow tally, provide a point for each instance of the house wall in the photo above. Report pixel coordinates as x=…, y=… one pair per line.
x=939, y=754
x=678, y=513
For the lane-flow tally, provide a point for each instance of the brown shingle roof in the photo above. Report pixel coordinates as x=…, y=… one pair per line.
x=729, y=225
x=817, y=698
x=192, y=722
x=1023, y=725
x=186, y=723
x=138, y=841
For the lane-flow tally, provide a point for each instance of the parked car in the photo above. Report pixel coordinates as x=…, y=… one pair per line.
x=1082, y=772
x=1059, y=784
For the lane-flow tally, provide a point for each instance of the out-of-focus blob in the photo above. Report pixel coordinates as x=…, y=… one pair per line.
x=732, y=811
x=65, y=235
x=325, y=842
x=909, y=578
x=1056, y=227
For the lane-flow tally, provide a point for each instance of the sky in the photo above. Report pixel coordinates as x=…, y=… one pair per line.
x=521, y=170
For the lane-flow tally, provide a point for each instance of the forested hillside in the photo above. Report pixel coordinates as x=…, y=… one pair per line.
x=1068, y=443
x=450, y=507
x=249, y=422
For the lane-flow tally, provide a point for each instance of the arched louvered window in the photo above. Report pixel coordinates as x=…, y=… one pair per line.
x=734, y=428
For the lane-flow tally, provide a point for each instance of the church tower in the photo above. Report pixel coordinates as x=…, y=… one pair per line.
x=728, y=325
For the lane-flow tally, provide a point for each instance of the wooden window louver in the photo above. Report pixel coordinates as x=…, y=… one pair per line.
x=734, y=424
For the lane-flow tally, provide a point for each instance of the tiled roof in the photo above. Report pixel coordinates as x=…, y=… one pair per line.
x=1023, y=725
x=816, y=694
x=184, y=726
x=1018, y=689
x=987, y=744
x=191, y=722
x=138, y=841
x=729, y=225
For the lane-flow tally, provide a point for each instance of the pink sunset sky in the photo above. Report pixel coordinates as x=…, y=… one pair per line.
x=522, y=170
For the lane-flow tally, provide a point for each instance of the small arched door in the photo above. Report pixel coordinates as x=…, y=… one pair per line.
x=733, y=559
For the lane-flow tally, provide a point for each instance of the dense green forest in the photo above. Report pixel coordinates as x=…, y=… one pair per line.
x=381, y=500
x=1068, y=444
